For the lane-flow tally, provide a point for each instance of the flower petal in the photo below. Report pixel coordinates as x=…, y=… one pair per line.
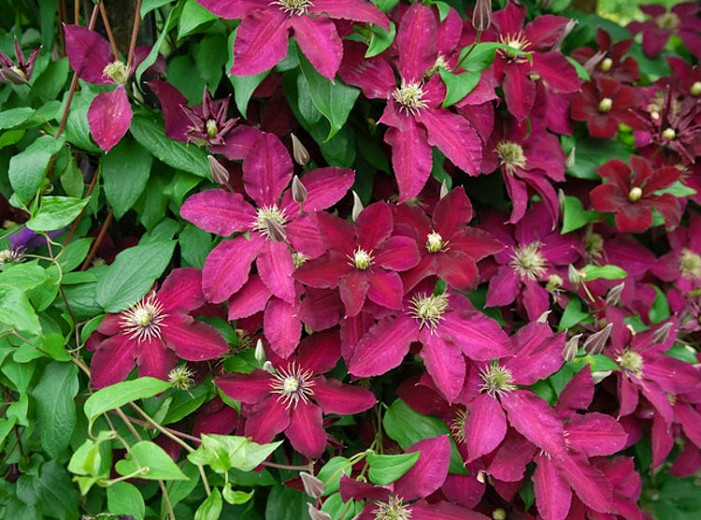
x=109, y=117
x=267, y=172
x=386, y=289
x=325, y=187
x=172, y=102
x=182, y=290
x=275, y=268
x=250, y=299
x=247, y=388
x=335, y=397
x=266, y=420
x=154, y=359
x=353, y=288
x=219, y=211
x=411, y=158
x=416, y=42
x=479, y=337
x=112, y=361
x=261, y=42
x=429, y=472
x=553, y=494
x=453, y=136
x=282, y=327
x=319, y=41
x=485, y=426
x=306, y=430
x=228, y=265
x=88, y=54
x=383, y=347
x=192, y=340
x=444, y=363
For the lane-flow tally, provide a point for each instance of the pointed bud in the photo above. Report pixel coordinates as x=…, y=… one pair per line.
x=571, y=348
x=269, y=368
x=299, y=192
x=543, y=318
x=299, y=151
x=315, y=514
x=481, y=476
x=591, y=64
x=599, y=376
x=613, y=297
x=444, y=190
x=571, y=24
x=12, y=76
x=312, y=485
x=259, y=352
x=575, y=276
x=357, y=207
x=596, y=342
x=219, y=173
x=482, y=15
x=571, y=157
x=661, y=335
x=275, y=230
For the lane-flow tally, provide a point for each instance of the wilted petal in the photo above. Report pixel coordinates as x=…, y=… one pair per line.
x=219, y=211
x=383, y=347
x=335, y=397
x=282, y=327
x=227, y=267
x=109, y=117
x=429, y=472
x=306, y=430
x=192, y=340
x=261, y=42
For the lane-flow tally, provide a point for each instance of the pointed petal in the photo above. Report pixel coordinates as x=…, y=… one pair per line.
x=596, y=434
x=422, y=510
x=192, y=340
x=261, y=42
x=485, y=426
x=479, y=337
x=374, y=225
x=383, y=347
x=154, y=359
x=109, y=117
x=231, y=10
x=559, y=73
x=503, y=287
x=355, y=10
x=275, y=268
x=172, y=103
x=588, y=482
x=219, y=211
x=182, y=290
x=455, y=137
x=306, y=430
x=519, y=91
x=325, y=187
x=249, y=300
x=239, y=141
x=282, y=327
x=247, y=388
x=88, y=54
x=452, y=212
x=266, y=420
x=324, y=272
x=539, y=353
x=320, y=43
x=353, y=288
x=511, y=458
x=416, y=41
x=267, y=172
x=458, y=270
x=429, y=472
x=386, y=289
x=304, y=235
x=320, y=352
x=374, y=76
x=444, y=363
x=227, y=267
x=552, y=491
x=112, y=361
x=335, y=397
x=398, y=254
x=411, y=158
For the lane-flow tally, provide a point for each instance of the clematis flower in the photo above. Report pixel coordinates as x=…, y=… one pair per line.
x=261, y=38
x=682, y=19
x=608, y=61
x=154, y=333
x=630, y=193
x=413, y=110
x=449, y=248
x=17, y=72
x=277, y=220
x=362, y=260
x=685, y=79
x=606, y=104
x=294, y=395
x=682, y=265
x=515, y=72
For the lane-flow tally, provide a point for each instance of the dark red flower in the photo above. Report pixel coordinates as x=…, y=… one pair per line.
x=683, y=19
x=606, y=104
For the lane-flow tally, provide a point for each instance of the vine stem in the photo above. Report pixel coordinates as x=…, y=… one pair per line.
x=108, y=30
x=134, y=34
x=98, y=240
x=74, y=226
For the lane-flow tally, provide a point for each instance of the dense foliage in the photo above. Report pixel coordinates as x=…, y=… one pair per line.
x=341, y=259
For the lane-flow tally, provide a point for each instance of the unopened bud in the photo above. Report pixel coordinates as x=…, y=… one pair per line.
x=596, y=342
x=312, y=485
x=275, y=230
x=571, y=157
x=13, y=76
x=269, y=368
x=661, y=335
x=259, y=352
x=543, y=318
x=606, y=64
x=315, y=514
x=695, y=89
x=571, y=348
x=299, y=192
x=569, y=27
x=299, y=151
x=481, y=476
x=575, y=276
x=592, y=62
x=613, y=297
x=605, y=105
x=219, y=173
x=599, y=376
x=357, y=207
x=444, y=190
x=482, y=15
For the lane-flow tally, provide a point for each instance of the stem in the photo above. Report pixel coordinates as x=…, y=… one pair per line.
x=74, y=226
x=161, y=429
x=76, y=12
x=98, y=241
x=108, y=30
x=469, y=51
x=134, y=34
x=308, y=467
x=62, y=18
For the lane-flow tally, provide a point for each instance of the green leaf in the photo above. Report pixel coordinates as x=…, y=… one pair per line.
x=244, y=86
x=23, y=276
x=192, y=17
x=132, y=274
x=591, y=153
x=678, y=190
x=385, y=469
x=17, y=312
x=236, y=497
x=380, y=40
x=55, y=213
x=210, y=508
x=659, y=311
x=332, y=472
x=74, y=254
x=114, y=396
x=582, y=73
x=15, y=117
x=170, y=23
x=575, y=216
x=210, y=59
x=93, y=458
x=150, y=5
x=408, y=427
x=72, y=179
x=478, y=57
x=334, y=100
x=151, y=462
x=28, y=168
x=54, y=395
x=125, y=172
x=58, y=497
x=223, y=452
x=77, y=126
x=125, y=499
x=573, y=315
x=286, y=504
x=179, y=155
x=458, y=85
x=194, y=246
x=607, y=272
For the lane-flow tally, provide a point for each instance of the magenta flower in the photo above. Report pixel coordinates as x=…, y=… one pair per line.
x=449, y=329
x=413, y=111
x=449, y=248
x=606, y=104
x=630, y=193
x=608, y=61
x=17, y=72
x=294, y=395
x=516, y=74
x=261, y=38
x=154, y=333
x=277, y=220
x=362, y=262
x=682, y=265
x=683, y=19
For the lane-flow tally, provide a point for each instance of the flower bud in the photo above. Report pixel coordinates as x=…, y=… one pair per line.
x=596, y=342
x=219, y=173
x=444, y=190
x=613, y=297
x=569, y=27
x=605, y=105
x=592, y=62
x=312, y=485
x=571, y=348
x=482, y=15
x=600, y=375
x=275, y=230
x=661, y=335
x=259, y=352
x=299, y=151
x=357, y=207
x=543, y=318
x=571, y=157
x=13, y=76
x=299, y=192
x=315, y=514
x=269, y=368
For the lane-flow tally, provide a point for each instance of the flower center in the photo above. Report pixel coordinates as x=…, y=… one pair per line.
x=212, y=128
x=457, y=426
x=117, y=71
x=270, y=221
x=606, y=64
x=594, y=245
x=434, y=242
x=181, y=377
x=511, y=155
x=293, y=7
x=690, y=264
x=8, y=256
x=361, y=259
x=635, y=194
x=695, y=89
x=605, y=105
x=497, y=380
x=669, y=21
x=528, y=262
x=19, y=72
x=393, y=509
x=632, y=362
x=292, y=384
x=143, y=321
x=298, y=259
x=410, y=97
x=440, y=63
x=428, y=310
x=517, y=42
x=669, y=133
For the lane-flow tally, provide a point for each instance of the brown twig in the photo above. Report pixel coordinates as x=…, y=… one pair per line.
x=134, y=34
x=98, y=240
x=76, y=12
x=62, y=18
x=108, y=30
